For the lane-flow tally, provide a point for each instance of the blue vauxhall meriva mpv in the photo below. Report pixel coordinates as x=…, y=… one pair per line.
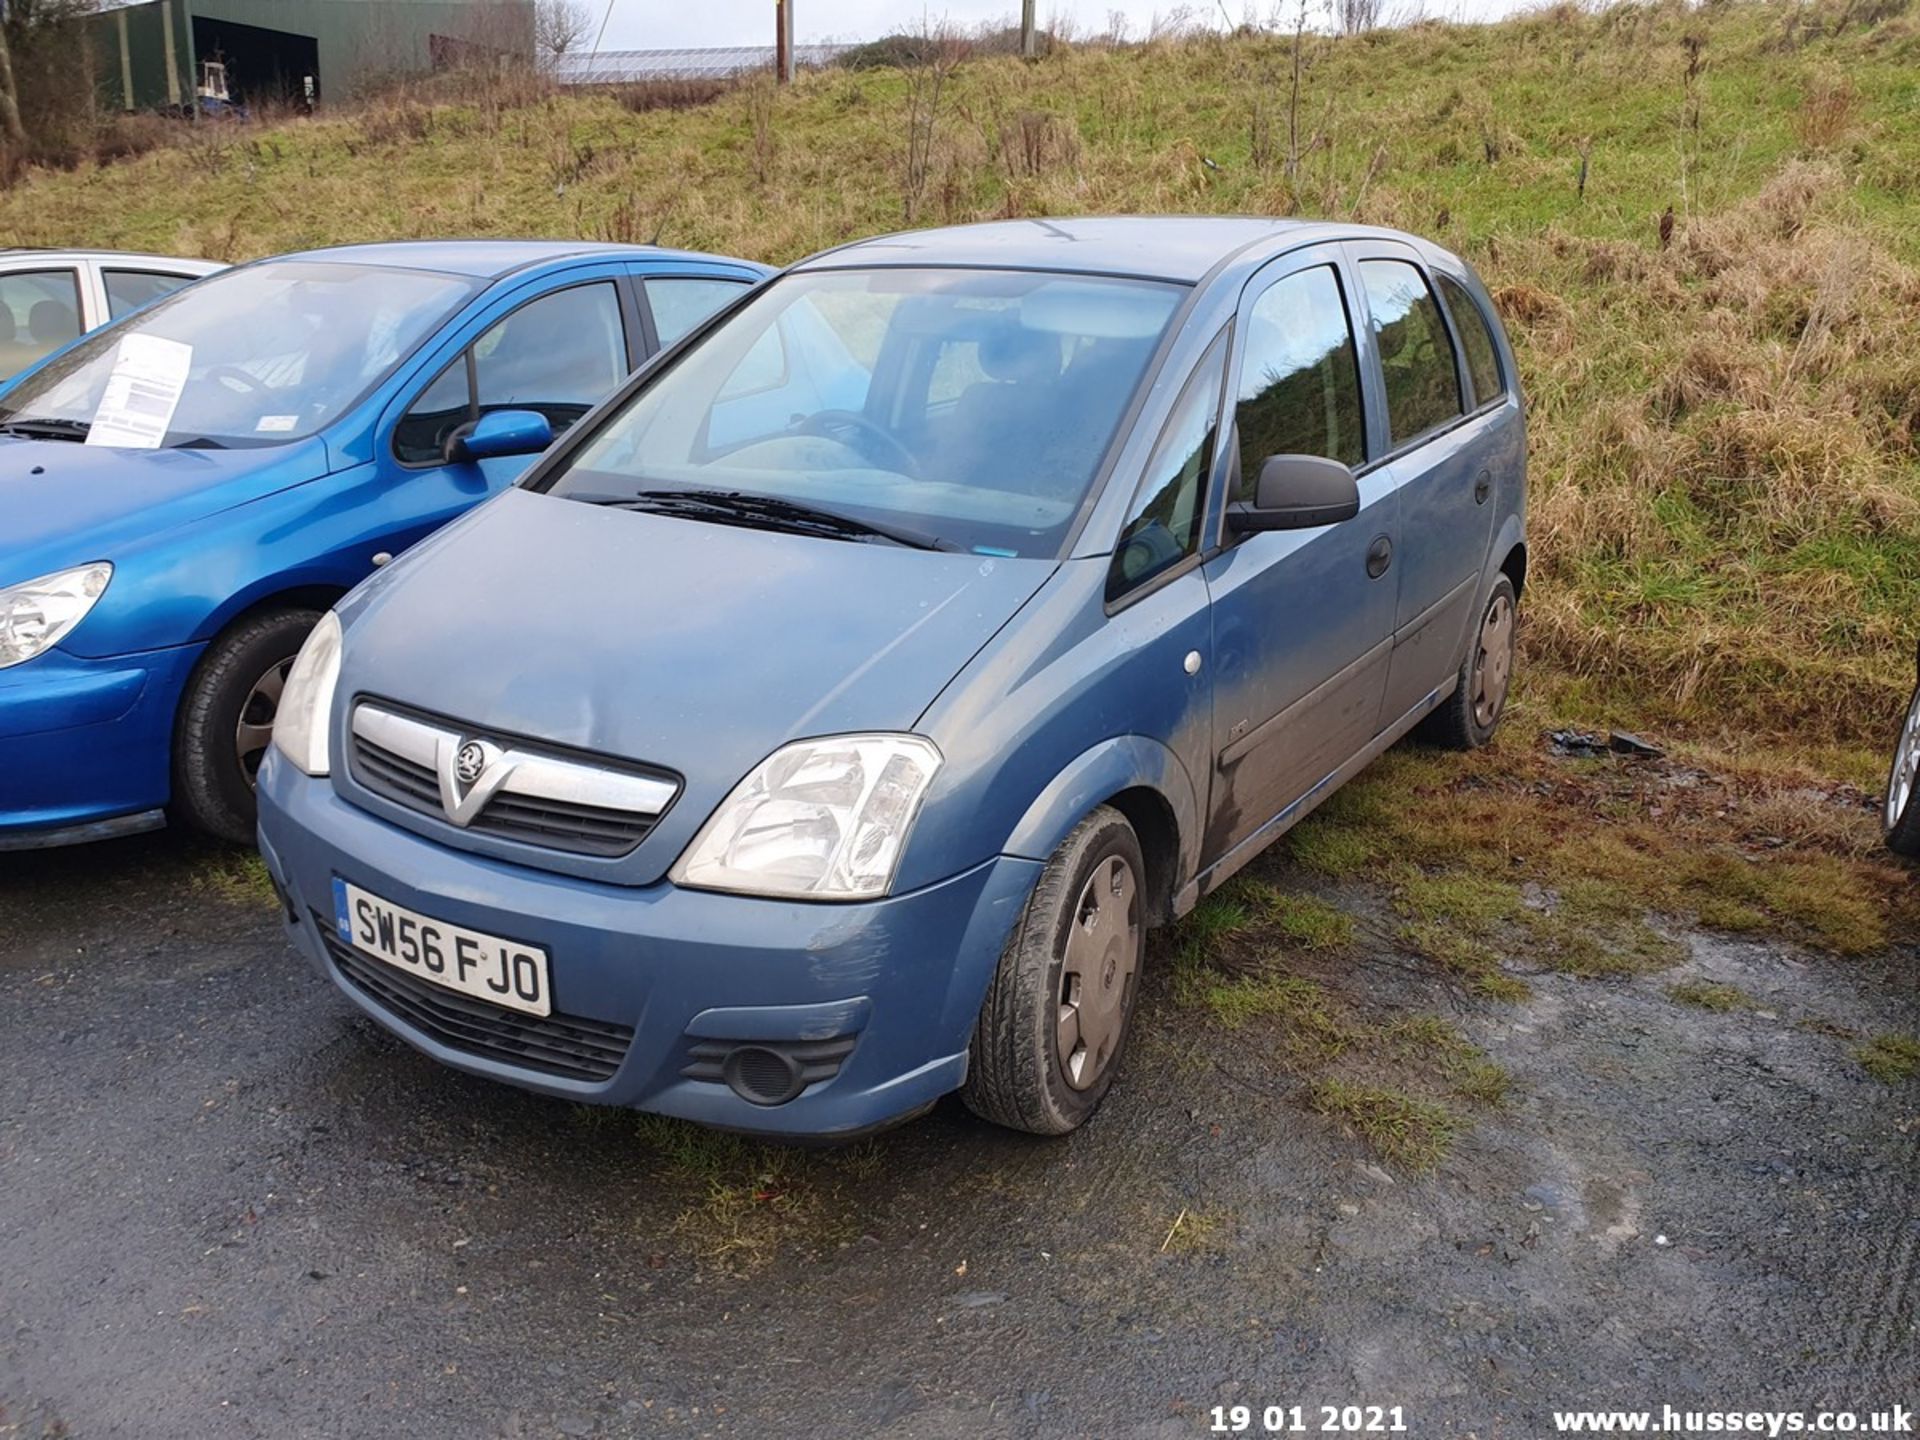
x=817, y=730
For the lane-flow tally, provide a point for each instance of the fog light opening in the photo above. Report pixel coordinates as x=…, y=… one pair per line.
x=762, y=1076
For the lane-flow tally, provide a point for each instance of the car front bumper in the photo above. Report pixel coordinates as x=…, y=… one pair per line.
x=87, y=744
x=886, y=991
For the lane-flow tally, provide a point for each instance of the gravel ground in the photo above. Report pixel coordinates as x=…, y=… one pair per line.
x=229, y=1207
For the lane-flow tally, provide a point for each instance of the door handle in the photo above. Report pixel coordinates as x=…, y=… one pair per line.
x=1482, y=487
x=1379, y=556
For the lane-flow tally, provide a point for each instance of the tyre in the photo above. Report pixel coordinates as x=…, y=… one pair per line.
x=1469, y=716
x=226, y=720
x=1901, y=813
x=1055, y=1020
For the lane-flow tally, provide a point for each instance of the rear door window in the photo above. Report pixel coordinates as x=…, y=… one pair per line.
x=1416, y=355
x=1300, y=377
x=680, y=302
x=39, y=312
x=1476, y=339
x=129, y=290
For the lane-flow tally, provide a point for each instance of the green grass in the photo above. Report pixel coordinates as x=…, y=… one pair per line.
x=1710, y=995
x=1890, y=1058
x=1403, y=1128
x=237, y=877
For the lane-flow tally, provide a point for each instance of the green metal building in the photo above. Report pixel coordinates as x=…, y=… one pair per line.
x=163, y=53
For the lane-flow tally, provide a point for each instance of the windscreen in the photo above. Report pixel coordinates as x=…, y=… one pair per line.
x=255, y=356
x=972, y=407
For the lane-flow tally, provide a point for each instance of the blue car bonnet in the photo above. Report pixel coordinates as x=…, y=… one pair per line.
x=67, y=503
x=679, y=643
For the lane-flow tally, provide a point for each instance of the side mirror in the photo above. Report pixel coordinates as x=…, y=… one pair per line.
x=504, y=432
x=1297, y=492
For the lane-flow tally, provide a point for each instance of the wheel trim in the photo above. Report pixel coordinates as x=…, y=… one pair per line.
x=1493, y=664
x=1097, y=967
x=255, y=727
x=1906, y=766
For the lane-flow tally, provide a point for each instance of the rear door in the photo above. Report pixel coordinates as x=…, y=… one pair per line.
x=1303, y=619
x=673, y=302
x=126, y=288
x=42, y=307
x=1440, y=455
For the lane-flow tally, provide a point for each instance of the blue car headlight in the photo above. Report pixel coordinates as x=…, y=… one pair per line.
x=816, y=820
x=306, y=702
x=37, y=615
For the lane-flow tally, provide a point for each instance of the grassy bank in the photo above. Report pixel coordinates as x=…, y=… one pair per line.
x=1726, y=424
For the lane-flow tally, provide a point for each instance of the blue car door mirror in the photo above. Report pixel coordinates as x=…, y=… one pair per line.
x=504, y=432
x=1298, y=492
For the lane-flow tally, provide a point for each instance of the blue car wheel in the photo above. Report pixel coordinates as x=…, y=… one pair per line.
x=1055, y=1020
x=1468, y=718
x=226, y=721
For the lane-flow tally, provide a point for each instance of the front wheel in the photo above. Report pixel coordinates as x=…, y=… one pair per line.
x=226, y=721
x=1055, y=1020
x=1901, y=816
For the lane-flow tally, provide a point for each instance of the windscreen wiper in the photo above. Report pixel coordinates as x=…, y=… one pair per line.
x=771, y=512
x=46, y=428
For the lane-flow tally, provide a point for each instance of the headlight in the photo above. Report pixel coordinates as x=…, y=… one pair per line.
x=817, y=820
x=300, y=728
x=37, y=615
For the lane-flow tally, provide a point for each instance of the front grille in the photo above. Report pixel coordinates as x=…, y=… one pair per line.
x=570, y=1046
x=553, y=823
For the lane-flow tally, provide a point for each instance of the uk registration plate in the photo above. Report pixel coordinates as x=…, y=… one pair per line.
x=487, y=967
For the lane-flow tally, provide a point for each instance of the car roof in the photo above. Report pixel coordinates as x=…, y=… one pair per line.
x=490, y=259
x=1159, y=247
x=38, y=254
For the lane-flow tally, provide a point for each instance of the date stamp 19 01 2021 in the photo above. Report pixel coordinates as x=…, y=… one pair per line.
x=1308, y=1420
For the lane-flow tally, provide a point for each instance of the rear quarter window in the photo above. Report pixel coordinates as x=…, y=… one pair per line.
x=1476, y=338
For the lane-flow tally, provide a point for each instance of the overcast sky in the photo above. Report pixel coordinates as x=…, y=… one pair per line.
x=660, y=24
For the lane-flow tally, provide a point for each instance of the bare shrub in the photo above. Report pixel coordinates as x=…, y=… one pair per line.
x=396, y=122
x=628, y=223
x=643, y=96
x=762, y=93
x=1035, y=142
x=936, y=54
x=1826, y=111
x=1356, y=17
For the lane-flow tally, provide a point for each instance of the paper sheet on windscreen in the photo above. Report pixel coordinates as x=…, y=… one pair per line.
x=137, y=406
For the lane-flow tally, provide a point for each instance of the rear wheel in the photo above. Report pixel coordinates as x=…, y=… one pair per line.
x=226, y=720
x=1055, y=1020
x=1901, y=815
x=1469, y=716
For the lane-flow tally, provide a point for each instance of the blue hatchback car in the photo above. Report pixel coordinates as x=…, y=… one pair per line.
x=817, y=730
x=187, y=491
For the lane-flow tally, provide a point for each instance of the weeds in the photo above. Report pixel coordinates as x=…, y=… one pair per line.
x=1710, y=995
x=1890, y=1058
x=1403, y=1128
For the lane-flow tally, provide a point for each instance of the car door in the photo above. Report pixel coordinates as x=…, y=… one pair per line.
x=1302, y=619
x=1439, y=456
x=42, y=307
x=558, y=347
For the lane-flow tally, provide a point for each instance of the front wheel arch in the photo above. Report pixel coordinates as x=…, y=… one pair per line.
x=1146, y=782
